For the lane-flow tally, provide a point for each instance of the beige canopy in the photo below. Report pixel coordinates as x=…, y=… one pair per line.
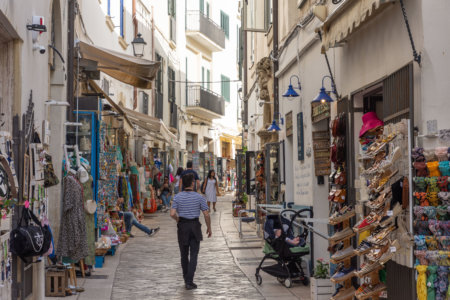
x=152, y=125
x=135, y=71
x=347, y=18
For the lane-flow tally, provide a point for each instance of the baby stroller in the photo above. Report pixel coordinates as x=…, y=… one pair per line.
x=288, y=258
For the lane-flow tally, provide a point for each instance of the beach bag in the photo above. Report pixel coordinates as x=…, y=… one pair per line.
x=30, y=240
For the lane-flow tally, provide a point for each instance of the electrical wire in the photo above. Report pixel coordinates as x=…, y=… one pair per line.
x=199, y=82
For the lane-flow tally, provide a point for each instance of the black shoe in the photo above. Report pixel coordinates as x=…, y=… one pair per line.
x=154, y=231
x=191, y=286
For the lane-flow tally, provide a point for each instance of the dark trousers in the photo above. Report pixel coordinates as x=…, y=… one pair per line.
x=189, y=262
x=189, y=237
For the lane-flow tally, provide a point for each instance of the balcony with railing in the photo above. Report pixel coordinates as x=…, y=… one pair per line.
x=205, y=31
x=204, y=103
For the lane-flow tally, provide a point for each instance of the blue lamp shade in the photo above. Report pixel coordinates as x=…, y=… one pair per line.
x=290, y=92
x=323, y=97
x=274, y=127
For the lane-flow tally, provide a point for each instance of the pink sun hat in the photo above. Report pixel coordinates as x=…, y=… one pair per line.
x=370, y=121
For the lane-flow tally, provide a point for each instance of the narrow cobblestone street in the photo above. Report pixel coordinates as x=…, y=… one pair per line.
x=150, y=267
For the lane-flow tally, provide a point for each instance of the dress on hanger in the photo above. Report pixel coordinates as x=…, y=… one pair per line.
x=72, y=242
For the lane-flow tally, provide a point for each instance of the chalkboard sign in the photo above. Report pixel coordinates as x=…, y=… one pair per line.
x=300, y=137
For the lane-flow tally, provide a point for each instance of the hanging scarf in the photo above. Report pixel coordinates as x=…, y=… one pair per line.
x=421, y=282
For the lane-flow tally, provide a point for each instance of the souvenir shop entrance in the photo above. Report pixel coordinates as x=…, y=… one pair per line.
x=391, y=101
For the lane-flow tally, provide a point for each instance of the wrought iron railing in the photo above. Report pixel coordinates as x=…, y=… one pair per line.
x=199, y=96
x=197, y=21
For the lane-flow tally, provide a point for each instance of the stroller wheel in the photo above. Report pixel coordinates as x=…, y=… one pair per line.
x=288, y=282
x=280, y=280
x=258, y=279
x=305, y=280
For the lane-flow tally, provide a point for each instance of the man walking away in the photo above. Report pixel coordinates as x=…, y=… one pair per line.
x=189, y=170
x=186, y=207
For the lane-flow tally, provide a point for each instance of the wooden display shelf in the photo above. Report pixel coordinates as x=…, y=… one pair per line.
x=334, y=242
x=338, y=221
x=370, y=227
x=347, y=277
x=370, y=272
x=363, y=252
x=335, y=261
x=371, y=294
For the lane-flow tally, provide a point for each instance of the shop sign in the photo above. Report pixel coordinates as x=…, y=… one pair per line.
x=320, y=111
x=300, y=137
x=321, y=146
x=289, y=127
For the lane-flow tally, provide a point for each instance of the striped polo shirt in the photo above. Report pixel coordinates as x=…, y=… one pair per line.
x=189, y=204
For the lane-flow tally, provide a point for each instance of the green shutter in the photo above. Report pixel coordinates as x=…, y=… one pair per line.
x=171, y=7
x=208, y=79
x=225, y=23
x=207, y=9
x=203, y=76
x=225, y=87
x=202, y=6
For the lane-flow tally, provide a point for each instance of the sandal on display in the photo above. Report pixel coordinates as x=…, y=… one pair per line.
x=342, y=215
x=364, y=248
x=368, y=268
x=391, y=215
x=340, y=235
x=380, y=237
x=372, y=291
x=344, y=294
x=385, y=179
x=392, y=249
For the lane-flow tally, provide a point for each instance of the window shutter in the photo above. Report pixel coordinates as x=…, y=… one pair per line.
x=202, y=6
x=203, y=77
x=208, y=79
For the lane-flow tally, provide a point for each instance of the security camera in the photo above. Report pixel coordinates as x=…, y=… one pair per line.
x=40, y=48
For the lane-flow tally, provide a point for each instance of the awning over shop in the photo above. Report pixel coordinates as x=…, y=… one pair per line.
x=347, y=18
x=135, y=71
x=118, y=108
x=155, y=127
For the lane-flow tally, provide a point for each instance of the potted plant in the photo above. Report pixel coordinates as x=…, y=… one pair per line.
x=321, y=286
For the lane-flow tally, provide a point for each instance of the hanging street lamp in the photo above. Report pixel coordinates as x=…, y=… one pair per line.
x=138, y=45
x=323, y=95
x=291, y=93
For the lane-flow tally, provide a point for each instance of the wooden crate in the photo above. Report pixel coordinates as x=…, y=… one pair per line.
x=56, y=283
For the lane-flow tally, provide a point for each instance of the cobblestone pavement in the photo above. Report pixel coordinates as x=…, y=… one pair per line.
x=150, y=268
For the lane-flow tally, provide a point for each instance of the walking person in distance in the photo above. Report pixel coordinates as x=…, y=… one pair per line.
x=189, y=170
x=210, y=188
x=177, y=180
x=186, y=208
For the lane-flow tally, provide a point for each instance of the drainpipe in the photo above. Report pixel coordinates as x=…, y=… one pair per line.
x=276, y=108
x=70, y=58
x=245, y=91
x=153, y=58
x=135, y=29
